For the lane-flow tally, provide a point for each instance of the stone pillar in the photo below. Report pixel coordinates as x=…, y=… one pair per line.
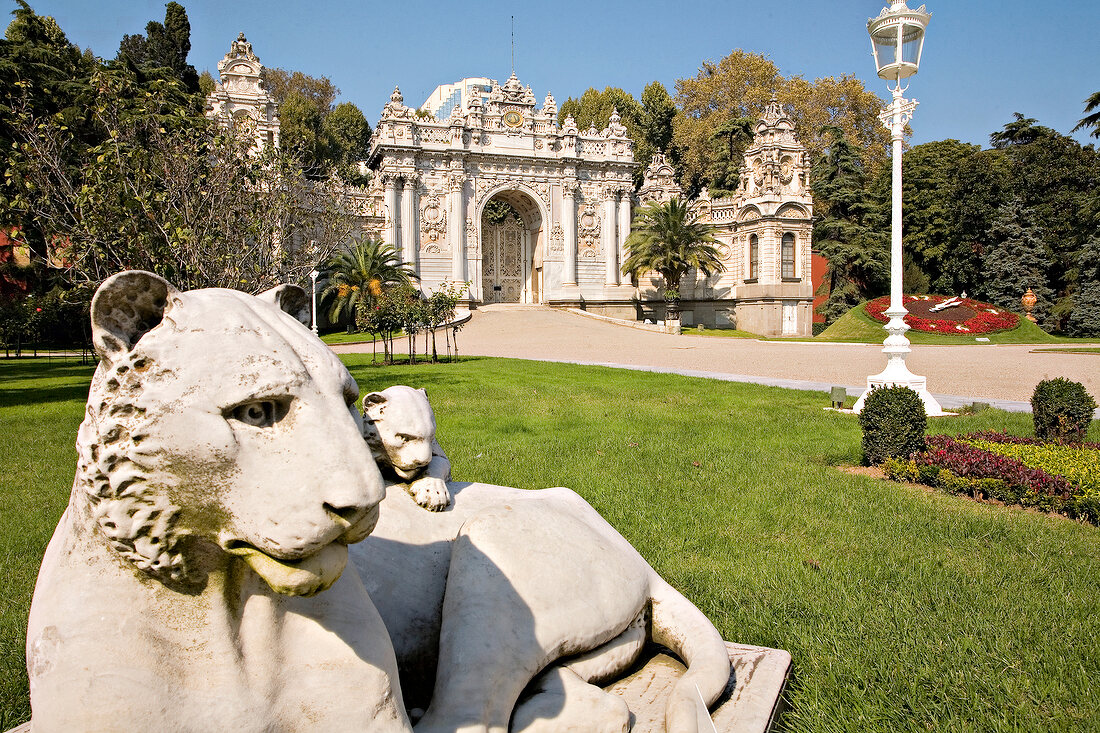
x=610, y=237
x=457, y=229
x=390, y=197
x=408, y=223
x=624, y=229
x=569, y=226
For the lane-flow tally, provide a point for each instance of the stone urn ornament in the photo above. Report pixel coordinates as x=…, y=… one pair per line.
x=1028, y=301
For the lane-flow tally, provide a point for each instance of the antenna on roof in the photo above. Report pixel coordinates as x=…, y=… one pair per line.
x=513, y=45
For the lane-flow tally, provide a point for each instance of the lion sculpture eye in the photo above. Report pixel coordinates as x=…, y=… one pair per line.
x=259, y=414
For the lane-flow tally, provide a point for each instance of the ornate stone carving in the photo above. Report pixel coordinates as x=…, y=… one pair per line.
x=659, y=183
x=239, y=100
x=433, y=221
x=588, y=232
x=396, y=108
x=557, y=239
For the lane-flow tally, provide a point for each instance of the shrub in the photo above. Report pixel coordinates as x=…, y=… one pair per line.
x=893, y=423
x=1062, y=410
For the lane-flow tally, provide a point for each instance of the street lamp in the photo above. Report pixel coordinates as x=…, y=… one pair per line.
x=897, y=39
x=313, y=312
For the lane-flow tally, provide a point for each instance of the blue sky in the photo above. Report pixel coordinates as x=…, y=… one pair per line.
x=982, y=60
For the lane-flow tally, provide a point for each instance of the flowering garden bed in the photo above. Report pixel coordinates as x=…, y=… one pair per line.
x=1047, y=476
x=969, y=316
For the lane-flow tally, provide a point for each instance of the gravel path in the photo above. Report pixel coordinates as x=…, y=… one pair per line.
x=961, y=374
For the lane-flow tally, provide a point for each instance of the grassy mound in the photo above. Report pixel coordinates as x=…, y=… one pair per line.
x=857, y=326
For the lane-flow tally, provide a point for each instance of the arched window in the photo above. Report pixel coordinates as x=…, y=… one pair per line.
x=754, y=257
x=787, y=256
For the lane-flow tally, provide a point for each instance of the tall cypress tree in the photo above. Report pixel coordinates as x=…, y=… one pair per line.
x=164, y=46
x=851, y=233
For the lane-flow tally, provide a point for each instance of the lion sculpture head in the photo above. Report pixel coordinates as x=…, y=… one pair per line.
x=218, y=425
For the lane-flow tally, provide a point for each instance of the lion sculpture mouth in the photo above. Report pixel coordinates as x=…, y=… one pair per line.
x=309, y=574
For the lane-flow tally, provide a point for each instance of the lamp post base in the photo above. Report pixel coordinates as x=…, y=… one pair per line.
x=896, y=374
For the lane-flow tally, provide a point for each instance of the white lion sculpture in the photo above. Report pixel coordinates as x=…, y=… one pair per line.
x=222, y=476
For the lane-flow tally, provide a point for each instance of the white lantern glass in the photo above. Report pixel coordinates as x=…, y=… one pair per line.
x=897, y=39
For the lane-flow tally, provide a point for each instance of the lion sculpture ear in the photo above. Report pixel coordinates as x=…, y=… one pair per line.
x=126, y=307
x=372, y=405
x=291, y=299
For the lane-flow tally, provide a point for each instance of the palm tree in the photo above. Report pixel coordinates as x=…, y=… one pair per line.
x=356, y=276
x=1092, y=104
x=668, y=238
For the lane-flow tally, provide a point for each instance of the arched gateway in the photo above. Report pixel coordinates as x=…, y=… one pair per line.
x=513, y=249
x=570, y=191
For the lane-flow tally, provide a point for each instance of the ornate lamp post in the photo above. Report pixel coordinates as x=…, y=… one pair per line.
x=897, y=39
x=313, y=313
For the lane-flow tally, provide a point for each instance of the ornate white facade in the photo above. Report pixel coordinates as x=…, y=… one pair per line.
x=572, y=191
x=239, y=98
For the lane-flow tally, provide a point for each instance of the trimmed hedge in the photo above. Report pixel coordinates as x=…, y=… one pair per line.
x=893, y=423
x=1062, y=410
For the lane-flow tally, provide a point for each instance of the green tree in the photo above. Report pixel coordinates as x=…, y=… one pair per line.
x=1017, y=260
x=951, y=192
x=43, y=76
x=442, y=308
x=347, y=134
x=731, y=138
x=1055, y=179
x=356, y=276
x=848, y=233
x=593, y=109
x=330, y=138
x=168, y=191
x=206, y=84
x=1092, y=104
x=164, y=46
x=741, y=85
x=667, y=238
x=658, y=112
x=1084, y=321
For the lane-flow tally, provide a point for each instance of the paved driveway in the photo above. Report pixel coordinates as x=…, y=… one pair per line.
x=988, y=373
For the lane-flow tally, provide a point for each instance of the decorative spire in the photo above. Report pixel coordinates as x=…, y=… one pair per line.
x=773, y=111
x=396, y=97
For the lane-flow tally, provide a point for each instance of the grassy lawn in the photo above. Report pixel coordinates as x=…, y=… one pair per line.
x=857, y=326
x=904, y=609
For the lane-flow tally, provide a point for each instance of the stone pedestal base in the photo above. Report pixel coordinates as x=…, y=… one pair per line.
x=892, y=376
x=749, y=705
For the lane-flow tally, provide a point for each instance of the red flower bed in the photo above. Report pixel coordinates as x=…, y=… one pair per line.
x=980, y=317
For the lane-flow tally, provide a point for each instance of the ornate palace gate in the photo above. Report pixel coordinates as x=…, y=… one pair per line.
x=503, y=248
